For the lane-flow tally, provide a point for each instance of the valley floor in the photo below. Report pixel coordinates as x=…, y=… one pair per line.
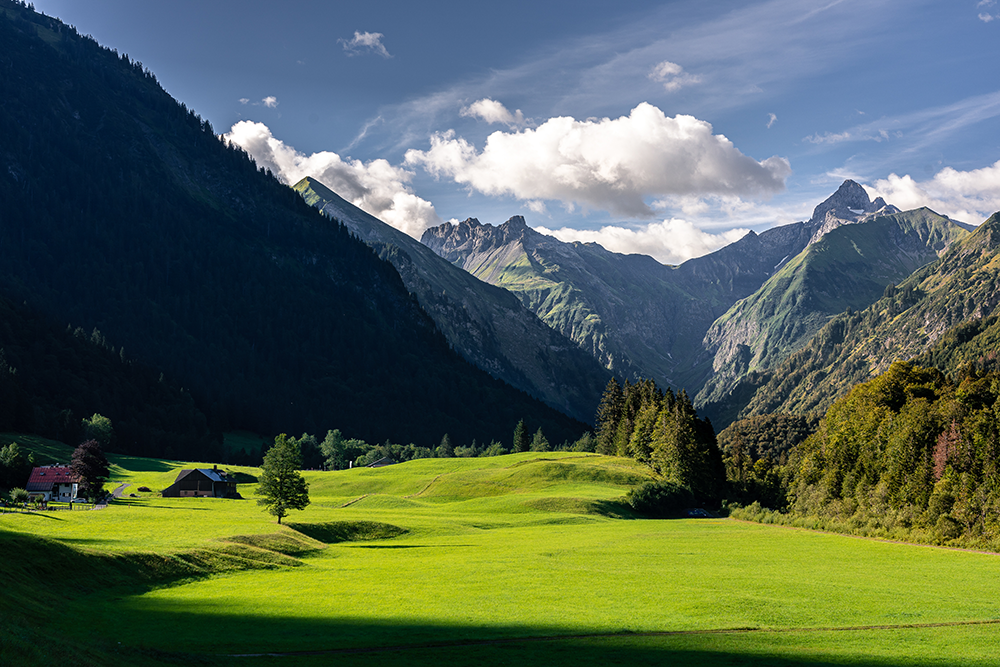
x=520, y=559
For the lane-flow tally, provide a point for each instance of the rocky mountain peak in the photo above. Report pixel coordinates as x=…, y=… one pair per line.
x=850, y=204
x=850, y=199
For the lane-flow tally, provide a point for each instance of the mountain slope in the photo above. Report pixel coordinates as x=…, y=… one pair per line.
x=638, y=317
x=487, y=325
x=944, y=311
x=848, y=267
x=122, y=210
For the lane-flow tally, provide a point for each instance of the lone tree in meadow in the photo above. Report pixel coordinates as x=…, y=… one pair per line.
x=90, y=466
x=281, y=485
x=522, y=441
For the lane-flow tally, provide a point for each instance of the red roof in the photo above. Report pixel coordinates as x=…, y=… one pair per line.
x=43, y=478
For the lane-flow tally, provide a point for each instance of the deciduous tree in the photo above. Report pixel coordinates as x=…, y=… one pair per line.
x=282, y=487
x=90, y=466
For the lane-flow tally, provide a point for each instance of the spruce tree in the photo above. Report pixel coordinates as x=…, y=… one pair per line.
x=521, y=441
x=609, y=413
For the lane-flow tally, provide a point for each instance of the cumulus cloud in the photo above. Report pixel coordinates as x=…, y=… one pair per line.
x=771, y=119
x=244, y=100
x=493, y=112
x=670, y=241
x=365, y=42
x=672, y=76
x=608, y=164
x=376, y=187
x=969, y=196
x=270, y=101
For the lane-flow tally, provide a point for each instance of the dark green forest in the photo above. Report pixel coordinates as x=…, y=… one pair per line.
x=661, y=429
x=122, y=211
x=52, y=378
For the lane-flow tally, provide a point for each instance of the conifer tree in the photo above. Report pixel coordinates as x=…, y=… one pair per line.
x=539, y=443
x=609, y=413
x=521, y=441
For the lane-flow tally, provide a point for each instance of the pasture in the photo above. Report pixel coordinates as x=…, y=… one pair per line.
x=523, y=559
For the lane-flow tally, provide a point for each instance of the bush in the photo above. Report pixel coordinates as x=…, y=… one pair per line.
x=19, y=496
x=144, y=489
x=660, y=499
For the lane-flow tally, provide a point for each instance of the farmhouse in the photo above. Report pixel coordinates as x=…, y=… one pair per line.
x=53, y=483
x=202, y=482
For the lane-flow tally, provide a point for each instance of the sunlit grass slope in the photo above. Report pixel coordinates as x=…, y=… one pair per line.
x=525, y=558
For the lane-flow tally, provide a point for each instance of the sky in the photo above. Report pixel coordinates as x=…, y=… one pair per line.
x=667, y=128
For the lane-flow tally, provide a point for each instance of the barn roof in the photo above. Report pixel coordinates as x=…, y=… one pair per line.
x=44, y=477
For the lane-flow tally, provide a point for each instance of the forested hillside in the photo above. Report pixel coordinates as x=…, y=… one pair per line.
x=121, y=210
x=911, y=454
x=961, y=290
x=52, y=377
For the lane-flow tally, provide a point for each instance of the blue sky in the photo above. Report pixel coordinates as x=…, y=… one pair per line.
x=667, y=128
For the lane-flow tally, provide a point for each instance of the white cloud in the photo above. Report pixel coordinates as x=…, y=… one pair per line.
x=376, y=186
x=608, y=164
x=244, y=100
x=270, y=101
x=771, y=119
x=672, y=76
x=986, y=17
x=365, y=42
x=493, y=112
x=670, y=242
x=969, y=196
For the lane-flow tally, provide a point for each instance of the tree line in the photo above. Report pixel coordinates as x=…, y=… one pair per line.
x=912, y=454
x=662, y=429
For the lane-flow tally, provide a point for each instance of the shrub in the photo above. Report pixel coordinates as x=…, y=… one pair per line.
x=660, y=499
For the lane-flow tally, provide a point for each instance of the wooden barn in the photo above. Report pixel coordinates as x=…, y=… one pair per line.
x=202, y=483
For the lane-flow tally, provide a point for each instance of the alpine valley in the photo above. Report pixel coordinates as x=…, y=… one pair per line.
x=513, y=449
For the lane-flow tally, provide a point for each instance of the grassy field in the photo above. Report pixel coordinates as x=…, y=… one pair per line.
x=523, y=559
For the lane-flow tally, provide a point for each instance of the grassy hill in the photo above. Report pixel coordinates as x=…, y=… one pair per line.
x=492, y=561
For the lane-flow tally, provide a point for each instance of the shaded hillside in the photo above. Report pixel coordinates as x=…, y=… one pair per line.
x=487, y=325
x=52, y=377
x=943, y=310
x=847, y=268
x=121, y=210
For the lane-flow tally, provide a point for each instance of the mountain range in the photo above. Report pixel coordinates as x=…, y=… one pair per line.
x=705, y=324
x=121, y=210
x=275, y=309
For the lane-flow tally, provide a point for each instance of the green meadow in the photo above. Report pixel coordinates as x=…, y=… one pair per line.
x=525, y=559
